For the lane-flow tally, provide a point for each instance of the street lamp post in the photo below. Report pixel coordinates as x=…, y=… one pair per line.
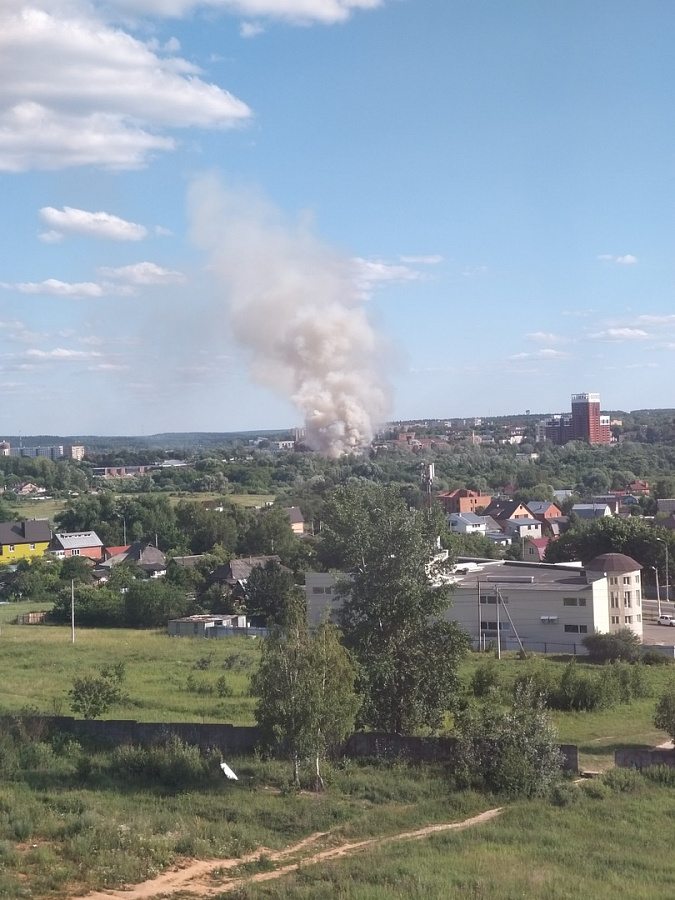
x=658, y=591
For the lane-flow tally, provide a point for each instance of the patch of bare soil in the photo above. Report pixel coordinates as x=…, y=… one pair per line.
x=208, y=878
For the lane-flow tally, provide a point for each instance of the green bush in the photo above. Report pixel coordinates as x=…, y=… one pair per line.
x=664, y=717
x=565, y=794
x=513, y=752
x=485, y=679
x=664, y=775
x=624, y=781
x=623, y=645
x=656, y=658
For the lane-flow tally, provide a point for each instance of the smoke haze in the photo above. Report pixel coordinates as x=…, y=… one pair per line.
x=295, y=306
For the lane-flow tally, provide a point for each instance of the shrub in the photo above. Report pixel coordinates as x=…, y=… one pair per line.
x=656, y=658
x=565, y=794
x=624, y=781
x=224, y=688
x=664, y=717
x=485, y=679
x=596, y=790
x=664, y=775
x=623, y=645
x=204, y=662
x=514, y=752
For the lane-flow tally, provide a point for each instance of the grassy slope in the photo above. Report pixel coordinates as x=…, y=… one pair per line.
x=600, y=848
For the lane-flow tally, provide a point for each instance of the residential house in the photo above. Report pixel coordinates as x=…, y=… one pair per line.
x=296, y=519
x=145, y=556
x=534, y=549
x=81, y=543
x=514, y=519
x=467, y=523
x=21, y=540
x=588, y=511
x=235, y=574
x=463, y=500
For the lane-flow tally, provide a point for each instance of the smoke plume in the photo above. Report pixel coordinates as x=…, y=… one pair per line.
x=295, y=306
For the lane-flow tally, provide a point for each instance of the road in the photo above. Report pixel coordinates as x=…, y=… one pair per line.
x=651, y=632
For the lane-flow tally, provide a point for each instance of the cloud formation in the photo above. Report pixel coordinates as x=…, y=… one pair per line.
x=75, y=91
x=627, y=260
x=327, y=12
x=54, y=287
x=546, y=353
x=143, y=273
x=100, y=225
x=621, y=334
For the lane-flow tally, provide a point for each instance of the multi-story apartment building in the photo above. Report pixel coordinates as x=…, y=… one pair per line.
x=585, y=423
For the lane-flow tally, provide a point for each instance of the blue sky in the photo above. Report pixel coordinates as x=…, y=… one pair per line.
x=239, y=214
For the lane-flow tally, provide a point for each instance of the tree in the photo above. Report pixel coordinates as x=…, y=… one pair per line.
x=305, y=690
x=267, y=590
x=514, y=751
x=633, y=536
x=392, y=614
x=92, y=696
x=622, y=646
x=664, y=717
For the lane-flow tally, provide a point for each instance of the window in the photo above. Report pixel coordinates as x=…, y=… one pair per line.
x=637, y=578
x=638, y=598
x=626, y=598
x=614, y=601
x=485, y=598
x=75, y=552
x=638, y=618
x=329, y=590
x=318, y=590
x=613, y=580
x=569, y=601
x=576, y=629
x=615, y=620
x=628, y=620
x=11, y=548
x=626, y=579
x=492, y=626
x=32, y=546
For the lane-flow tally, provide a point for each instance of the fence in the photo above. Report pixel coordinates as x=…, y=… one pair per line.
x=575, y=649
x=238, y=739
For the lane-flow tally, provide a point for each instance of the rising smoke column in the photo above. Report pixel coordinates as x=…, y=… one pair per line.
x=295, y=306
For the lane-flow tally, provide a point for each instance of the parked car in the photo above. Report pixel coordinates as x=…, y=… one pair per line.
x=666, y=620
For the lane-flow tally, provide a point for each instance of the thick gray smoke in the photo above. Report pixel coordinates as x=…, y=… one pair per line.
x=295, y=306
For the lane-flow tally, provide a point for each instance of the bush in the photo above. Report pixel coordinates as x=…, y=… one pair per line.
x=624, y=781
x=485, y=679
x=664, y=717
x=656, y=658
x=663, y=775
x=565, y=794
x=514, y=752
x=623, y=646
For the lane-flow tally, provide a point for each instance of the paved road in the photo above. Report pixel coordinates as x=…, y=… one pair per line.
x=651, y=632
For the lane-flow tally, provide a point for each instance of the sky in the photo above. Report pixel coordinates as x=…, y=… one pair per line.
x=221, y=215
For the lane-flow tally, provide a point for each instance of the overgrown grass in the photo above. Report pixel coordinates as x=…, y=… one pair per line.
x=606, y=842
x=38, y=663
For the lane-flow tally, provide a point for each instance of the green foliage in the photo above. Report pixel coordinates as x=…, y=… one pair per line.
x=664, y=717
x=392, y=613
x=624, y=781
x=267, y=591
x=513, y=752
x=655, y=658
x=92, y=696
x=305, y=691
x=486, y=679
x=623, y=645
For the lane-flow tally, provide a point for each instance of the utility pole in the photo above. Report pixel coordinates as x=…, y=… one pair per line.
x=72, y=609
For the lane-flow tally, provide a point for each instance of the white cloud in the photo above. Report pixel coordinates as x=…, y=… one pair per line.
x=92, y=224
x=250, y=29
x=328, y=12
x=656, y=320
x=57, y=288
x=546, y=353
x=546, y=337
x=75, y=91
x=61, y=354
x=371, y=273
x=433, y=259
x=144, y=273
x=620, y=334
x=627, y=260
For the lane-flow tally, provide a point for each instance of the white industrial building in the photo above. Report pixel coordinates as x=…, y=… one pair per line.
x=547, y=608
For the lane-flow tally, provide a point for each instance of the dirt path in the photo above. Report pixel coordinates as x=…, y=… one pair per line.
x=208, y=878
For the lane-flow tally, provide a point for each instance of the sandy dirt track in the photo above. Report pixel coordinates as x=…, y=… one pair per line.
x=209, y=878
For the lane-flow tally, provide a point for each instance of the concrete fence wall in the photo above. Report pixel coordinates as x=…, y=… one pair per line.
x=643, y=758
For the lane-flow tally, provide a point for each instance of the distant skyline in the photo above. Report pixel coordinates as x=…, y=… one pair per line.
x=483, y=189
